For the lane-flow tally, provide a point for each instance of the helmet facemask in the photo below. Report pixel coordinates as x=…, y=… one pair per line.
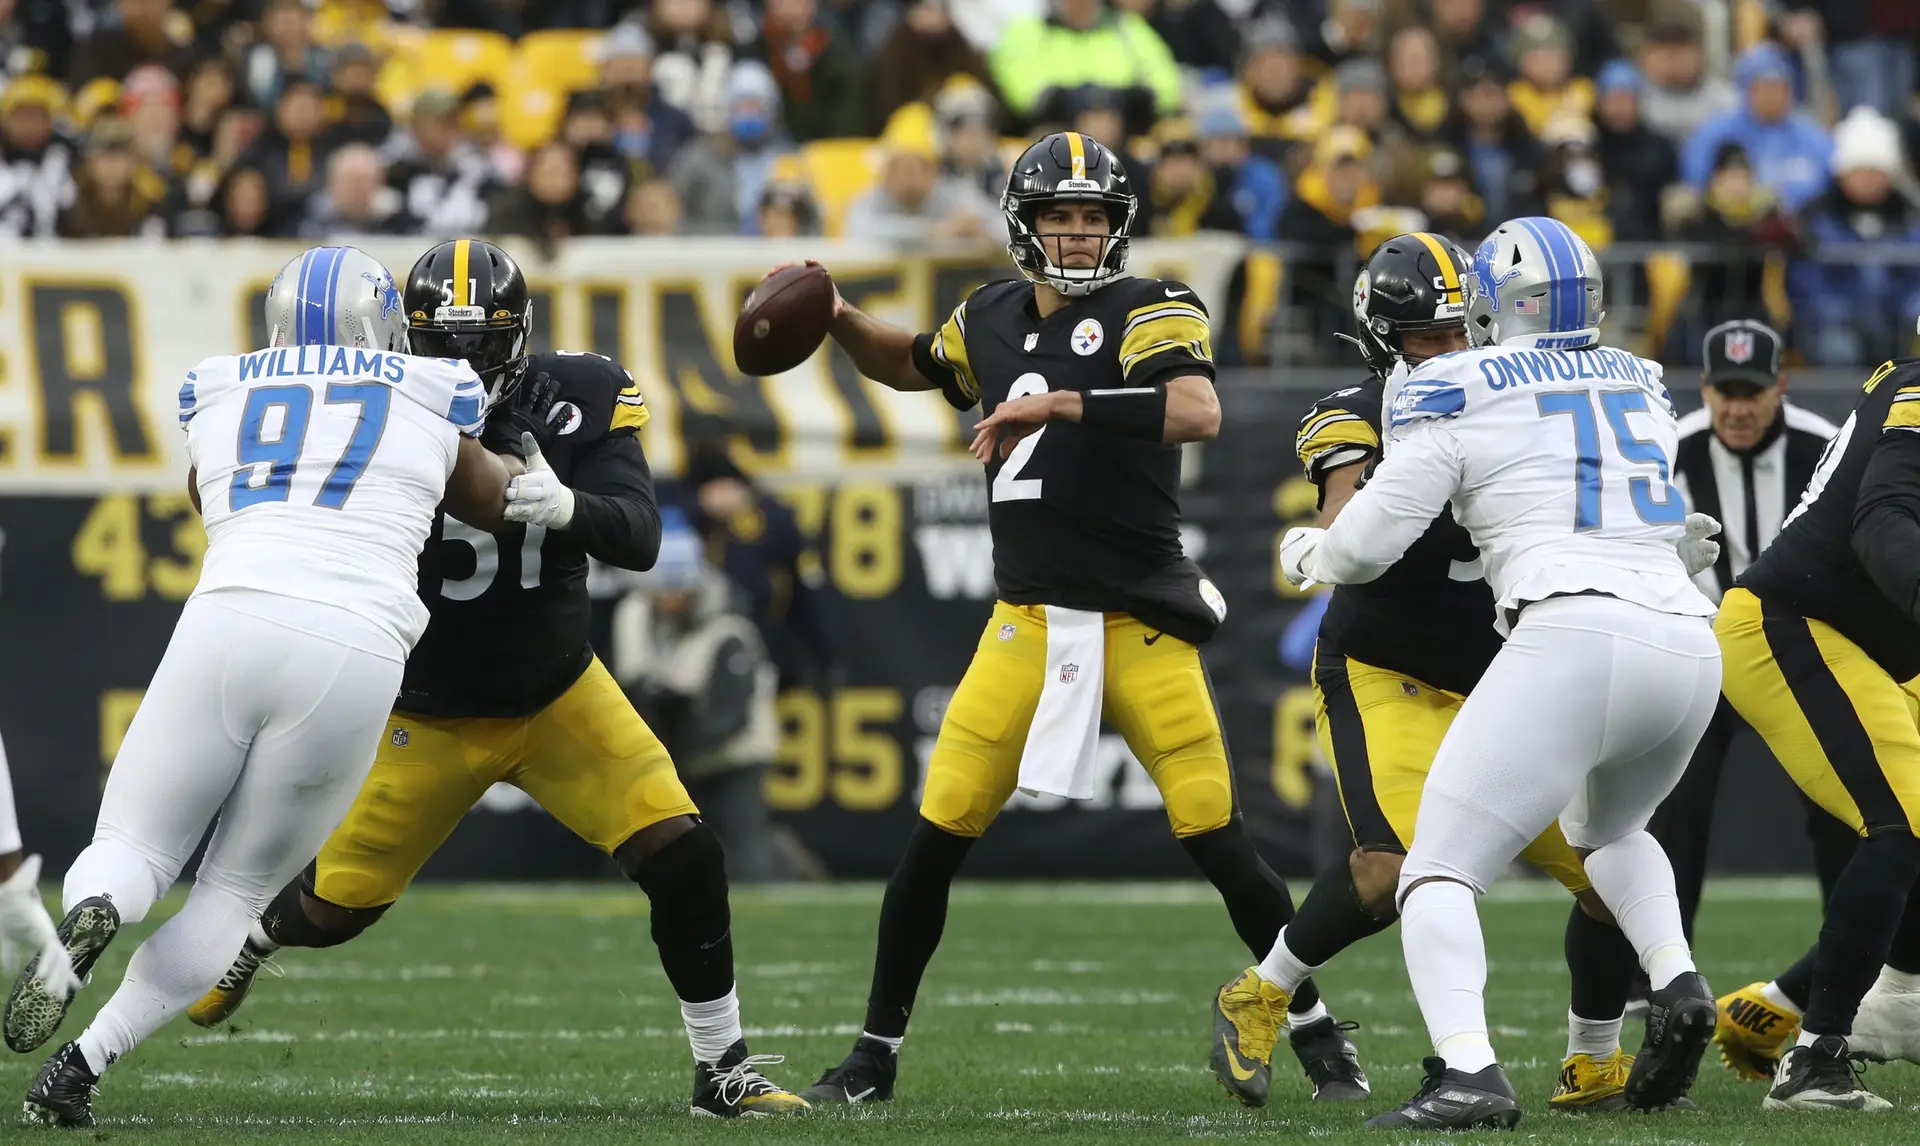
x=496, y=352
x=1029, y=248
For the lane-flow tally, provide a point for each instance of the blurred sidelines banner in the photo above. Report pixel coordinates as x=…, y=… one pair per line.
x=95, y=338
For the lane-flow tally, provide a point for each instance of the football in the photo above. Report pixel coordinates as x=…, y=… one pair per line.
x=784, y=321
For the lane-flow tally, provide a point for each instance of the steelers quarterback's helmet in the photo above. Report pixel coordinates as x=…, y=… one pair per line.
x=1416, y=281
x=1068, y=165
x=467, y=299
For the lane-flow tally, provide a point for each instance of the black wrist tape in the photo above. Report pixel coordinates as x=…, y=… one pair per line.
x=1139, y=412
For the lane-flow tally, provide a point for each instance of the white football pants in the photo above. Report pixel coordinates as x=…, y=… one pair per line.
x=1588, y=714
x=9, y=822
x=266, y=711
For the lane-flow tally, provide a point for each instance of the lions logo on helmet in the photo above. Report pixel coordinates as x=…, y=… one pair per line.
x=1068, y=165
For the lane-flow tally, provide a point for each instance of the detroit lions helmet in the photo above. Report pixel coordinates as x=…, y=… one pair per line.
x=336, y=296
x=1535, y=283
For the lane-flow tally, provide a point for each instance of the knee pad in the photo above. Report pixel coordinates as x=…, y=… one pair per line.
x=1200, y=799
x=686, y=881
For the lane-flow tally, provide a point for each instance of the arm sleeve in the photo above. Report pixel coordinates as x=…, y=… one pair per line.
x=615, y=516
x=1407, y=491
x=1886, y=517
x=1166, y=336
x=941, y=358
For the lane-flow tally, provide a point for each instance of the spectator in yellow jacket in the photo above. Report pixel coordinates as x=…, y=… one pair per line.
x=1542, y=52
x=1083, y=42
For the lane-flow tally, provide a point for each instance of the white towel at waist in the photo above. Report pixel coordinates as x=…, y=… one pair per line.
x=1058, y=758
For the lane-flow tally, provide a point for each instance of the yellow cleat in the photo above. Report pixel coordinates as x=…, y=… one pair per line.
x=218, y=1005
x=1589, y=1083
x=1248, y=1015
x=1753, y=1033
x=735, y=1088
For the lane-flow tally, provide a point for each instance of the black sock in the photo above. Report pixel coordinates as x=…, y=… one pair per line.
x=912, y=917
x=686, y=883
x=1602, y=965
x=286, y=922
x=1868, y=901
x=1257, y=900
x=1332, y=918
x=1796, y=982
x=1904, y=954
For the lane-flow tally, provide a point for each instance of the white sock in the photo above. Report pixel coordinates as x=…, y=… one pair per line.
x=1899, y=982
x=115, y=869
x=1806, y=1038
x=712, y=1027
x=1773, y=994
x=1596, y=1037
x=175, y=966
x=1313, y=1014
x=257, y=935
x=1447, y=963
x=1635, y=881
x=1282, y=968
x=893, y=1044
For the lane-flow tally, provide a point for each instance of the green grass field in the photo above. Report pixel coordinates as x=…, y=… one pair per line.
x=1077, y=1012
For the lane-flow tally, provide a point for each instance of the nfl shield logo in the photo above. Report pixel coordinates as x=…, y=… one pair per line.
x=1068, y=673
x=1033, y=340
x=399, y=738
x=1740, y=346
x=1006, y=632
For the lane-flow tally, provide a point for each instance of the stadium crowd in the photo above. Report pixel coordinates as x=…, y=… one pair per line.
x=1777, y=129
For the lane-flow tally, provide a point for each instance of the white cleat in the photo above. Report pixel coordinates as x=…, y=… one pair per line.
x=1887, y=1026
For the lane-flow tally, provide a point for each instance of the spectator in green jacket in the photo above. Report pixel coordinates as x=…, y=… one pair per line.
x=1083, y=42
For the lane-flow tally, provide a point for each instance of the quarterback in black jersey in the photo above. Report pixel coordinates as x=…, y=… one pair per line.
x=1089, y=382
x=504, y=687
x=1394, y=661
x=1820, y=643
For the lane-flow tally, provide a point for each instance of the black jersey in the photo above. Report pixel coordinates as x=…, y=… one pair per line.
x=1812, y=567
x=1078, y=516
x=510, y=614
x=1429, y=616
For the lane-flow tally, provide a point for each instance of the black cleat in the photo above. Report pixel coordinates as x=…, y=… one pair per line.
x=865, y=1075
x=33, y=1014
x=1821, y=1077
x=1330, y=1060
x=1455, y=1100
x=735, y=1088
x=63, y=1093
x=1680, y=1022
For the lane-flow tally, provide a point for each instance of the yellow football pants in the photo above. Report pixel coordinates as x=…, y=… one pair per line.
x=1844, y=729
x=1380, y=731
x=1156, y=696
x=587, y=758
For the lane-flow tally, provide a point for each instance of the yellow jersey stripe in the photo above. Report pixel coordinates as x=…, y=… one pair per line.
x=462, y=251
x=1886, y=368
x=1352, y=432
x=1077, y=148
x=1177, y=328
x=1325, y=417
x=1449, y=276
x=629, y=413
x=950, y=347
x=1904, y=415
x=1149, y=313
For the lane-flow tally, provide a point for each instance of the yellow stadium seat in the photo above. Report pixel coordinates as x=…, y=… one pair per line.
x=564, y=58
x=1668, y=277
x=456, y=59
x=530, y=113
x=841, y=170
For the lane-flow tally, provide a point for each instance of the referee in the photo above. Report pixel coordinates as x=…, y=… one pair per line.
x=1744, y=459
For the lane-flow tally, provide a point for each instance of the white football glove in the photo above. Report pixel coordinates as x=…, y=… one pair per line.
x=24, y=926
x=538, y=497
x=1296, y=554
x=1697, y=549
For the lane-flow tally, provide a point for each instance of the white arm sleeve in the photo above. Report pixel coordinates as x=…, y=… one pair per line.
x=9, y=821
x=1408, y=489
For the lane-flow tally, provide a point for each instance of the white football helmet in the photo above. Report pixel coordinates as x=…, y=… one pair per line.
x=1535, y=283
x=336, y=296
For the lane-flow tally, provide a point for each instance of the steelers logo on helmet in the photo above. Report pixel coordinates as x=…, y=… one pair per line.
x=469, y=301
x=1412, y=282
x=1068, y=166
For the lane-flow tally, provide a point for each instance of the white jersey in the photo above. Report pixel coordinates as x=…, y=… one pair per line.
x=1557, y=462
x=319, y=469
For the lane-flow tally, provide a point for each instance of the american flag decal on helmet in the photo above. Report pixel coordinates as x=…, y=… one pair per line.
x=1526, y=306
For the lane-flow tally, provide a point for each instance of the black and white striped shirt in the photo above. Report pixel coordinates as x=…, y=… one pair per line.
x=1749, y=491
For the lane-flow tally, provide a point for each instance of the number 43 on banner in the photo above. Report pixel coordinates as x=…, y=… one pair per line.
x=110, y=545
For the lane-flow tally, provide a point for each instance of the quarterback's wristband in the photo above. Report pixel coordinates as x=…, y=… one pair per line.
x=1136, y=412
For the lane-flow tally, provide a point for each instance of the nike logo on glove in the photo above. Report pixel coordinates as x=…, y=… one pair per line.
x=1234, y=1060
x=1171, y=293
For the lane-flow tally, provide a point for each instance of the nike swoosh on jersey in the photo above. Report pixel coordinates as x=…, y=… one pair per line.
x=1152, y=637
x=1171, y=293
x=1234, y=1060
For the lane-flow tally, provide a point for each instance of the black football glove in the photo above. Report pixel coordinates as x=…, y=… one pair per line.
x=524, y=412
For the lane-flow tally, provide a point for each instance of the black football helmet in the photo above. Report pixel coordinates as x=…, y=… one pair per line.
x=1068, y=165
x=467, y=299
x=1416, y=281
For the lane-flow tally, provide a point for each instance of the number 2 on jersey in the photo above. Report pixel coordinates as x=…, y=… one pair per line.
x=1008, y=485
x=281, y=453
x=1587, y=464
